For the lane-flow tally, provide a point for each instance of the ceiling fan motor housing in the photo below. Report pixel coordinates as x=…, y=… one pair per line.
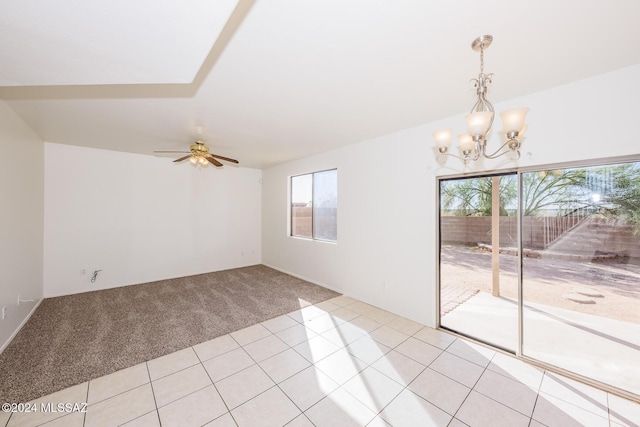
x=199, y=148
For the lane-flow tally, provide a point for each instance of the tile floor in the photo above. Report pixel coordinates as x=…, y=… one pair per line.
x=338, y=363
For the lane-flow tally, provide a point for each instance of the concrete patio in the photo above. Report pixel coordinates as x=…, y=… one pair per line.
x=600, y=348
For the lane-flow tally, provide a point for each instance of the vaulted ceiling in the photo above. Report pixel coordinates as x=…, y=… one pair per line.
x=274, y=80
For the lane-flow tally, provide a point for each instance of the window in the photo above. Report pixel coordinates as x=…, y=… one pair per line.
x=314, y=205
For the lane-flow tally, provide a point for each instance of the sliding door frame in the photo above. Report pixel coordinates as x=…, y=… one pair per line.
x=518, y=171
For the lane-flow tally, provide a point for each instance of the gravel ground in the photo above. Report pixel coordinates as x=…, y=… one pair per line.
x=546, y=281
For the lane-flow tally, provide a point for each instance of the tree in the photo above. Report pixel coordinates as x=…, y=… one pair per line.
x=620, y=194
x=559, y=190
x=472, y=196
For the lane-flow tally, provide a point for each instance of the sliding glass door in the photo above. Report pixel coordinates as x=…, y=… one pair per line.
x=574, y=303
x=478, y=268
x=581, y=271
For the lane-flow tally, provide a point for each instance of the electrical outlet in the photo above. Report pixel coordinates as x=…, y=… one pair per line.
x=18, y=300
x=83, y=272
x=4, y=312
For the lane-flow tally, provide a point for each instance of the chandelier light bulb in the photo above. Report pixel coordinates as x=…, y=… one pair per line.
x=193, y=160
x=479, y=122
x=443, y=139
x=465, y=143
x=513, y=120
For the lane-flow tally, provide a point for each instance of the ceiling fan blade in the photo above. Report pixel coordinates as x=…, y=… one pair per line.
x=181, y=159
x=224, y=158
x=213, y=161
x=164, y=151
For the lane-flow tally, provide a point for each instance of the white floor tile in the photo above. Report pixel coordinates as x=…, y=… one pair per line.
x=244, y=385
x=4, y=418
x=75, y=419
x=457, y=423
x=225, y=420
x=481, y=411
x=305, y=314
x=174, y=362
x=322, y=323
x=152, y=419
x=339, y=409
x=308, y=387
x=74, y=394
x=361, y=307
x=405, y=326
x=265, y=347
x=374, y=389
x=344, y=334
x=378, y=422
x=295, y=335
x=367, y=349
x=316, y=349
x=227, y=364
x=279, y=323
x=623, y=411
x=410, y=410
x=341, y=366
x=194, y=410
x=398, y=367
x=419, y=351
x=440, y=390
x=122, y=408
x=343, y=300
x=381, y=316
x=458, y=369
x=389, y=336
x=300, y=421
x=510, y=393
x=517, y=370
x=215, y=347
x=327, y=306
x=344, y=314
x=271, y=408
x=284, y=365
x=118, y=382
x=178, y=385
x=553, y=412
x=434, y=337
x=250, y=334
x=366, y=324
x=472, y=352
x=575, y=393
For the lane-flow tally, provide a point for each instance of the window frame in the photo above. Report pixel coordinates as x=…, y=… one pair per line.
x=313, y=223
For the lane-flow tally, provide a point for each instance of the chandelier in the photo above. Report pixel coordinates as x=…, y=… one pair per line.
x=473, y=144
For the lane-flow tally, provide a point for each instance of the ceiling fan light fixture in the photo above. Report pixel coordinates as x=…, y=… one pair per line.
x=199, y=155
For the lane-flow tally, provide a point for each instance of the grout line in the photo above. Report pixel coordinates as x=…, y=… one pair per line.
x=84, y=416
x=153, y=393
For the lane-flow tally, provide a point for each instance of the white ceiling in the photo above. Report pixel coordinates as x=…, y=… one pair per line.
x=287, y=78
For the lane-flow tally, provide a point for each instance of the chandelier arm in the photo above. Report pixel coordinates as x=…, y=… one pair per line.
x=497, y=153
x=464, y=159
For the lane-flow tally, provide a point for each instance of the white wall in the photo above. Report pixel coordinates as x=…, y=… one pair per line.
x=386, y=250
x=142, y=218
x=21, y=220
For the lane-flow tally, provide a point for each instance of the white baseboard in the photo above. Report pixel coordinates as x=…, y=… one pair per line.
x=13, y=335
x=306, y=279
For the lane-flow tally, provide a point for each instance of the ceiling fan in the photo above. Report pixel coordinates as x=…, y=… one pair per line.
x=199, y=155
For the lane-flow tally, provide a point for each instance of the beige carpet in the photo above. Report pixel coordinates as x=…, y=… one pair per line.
x=75, y=338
